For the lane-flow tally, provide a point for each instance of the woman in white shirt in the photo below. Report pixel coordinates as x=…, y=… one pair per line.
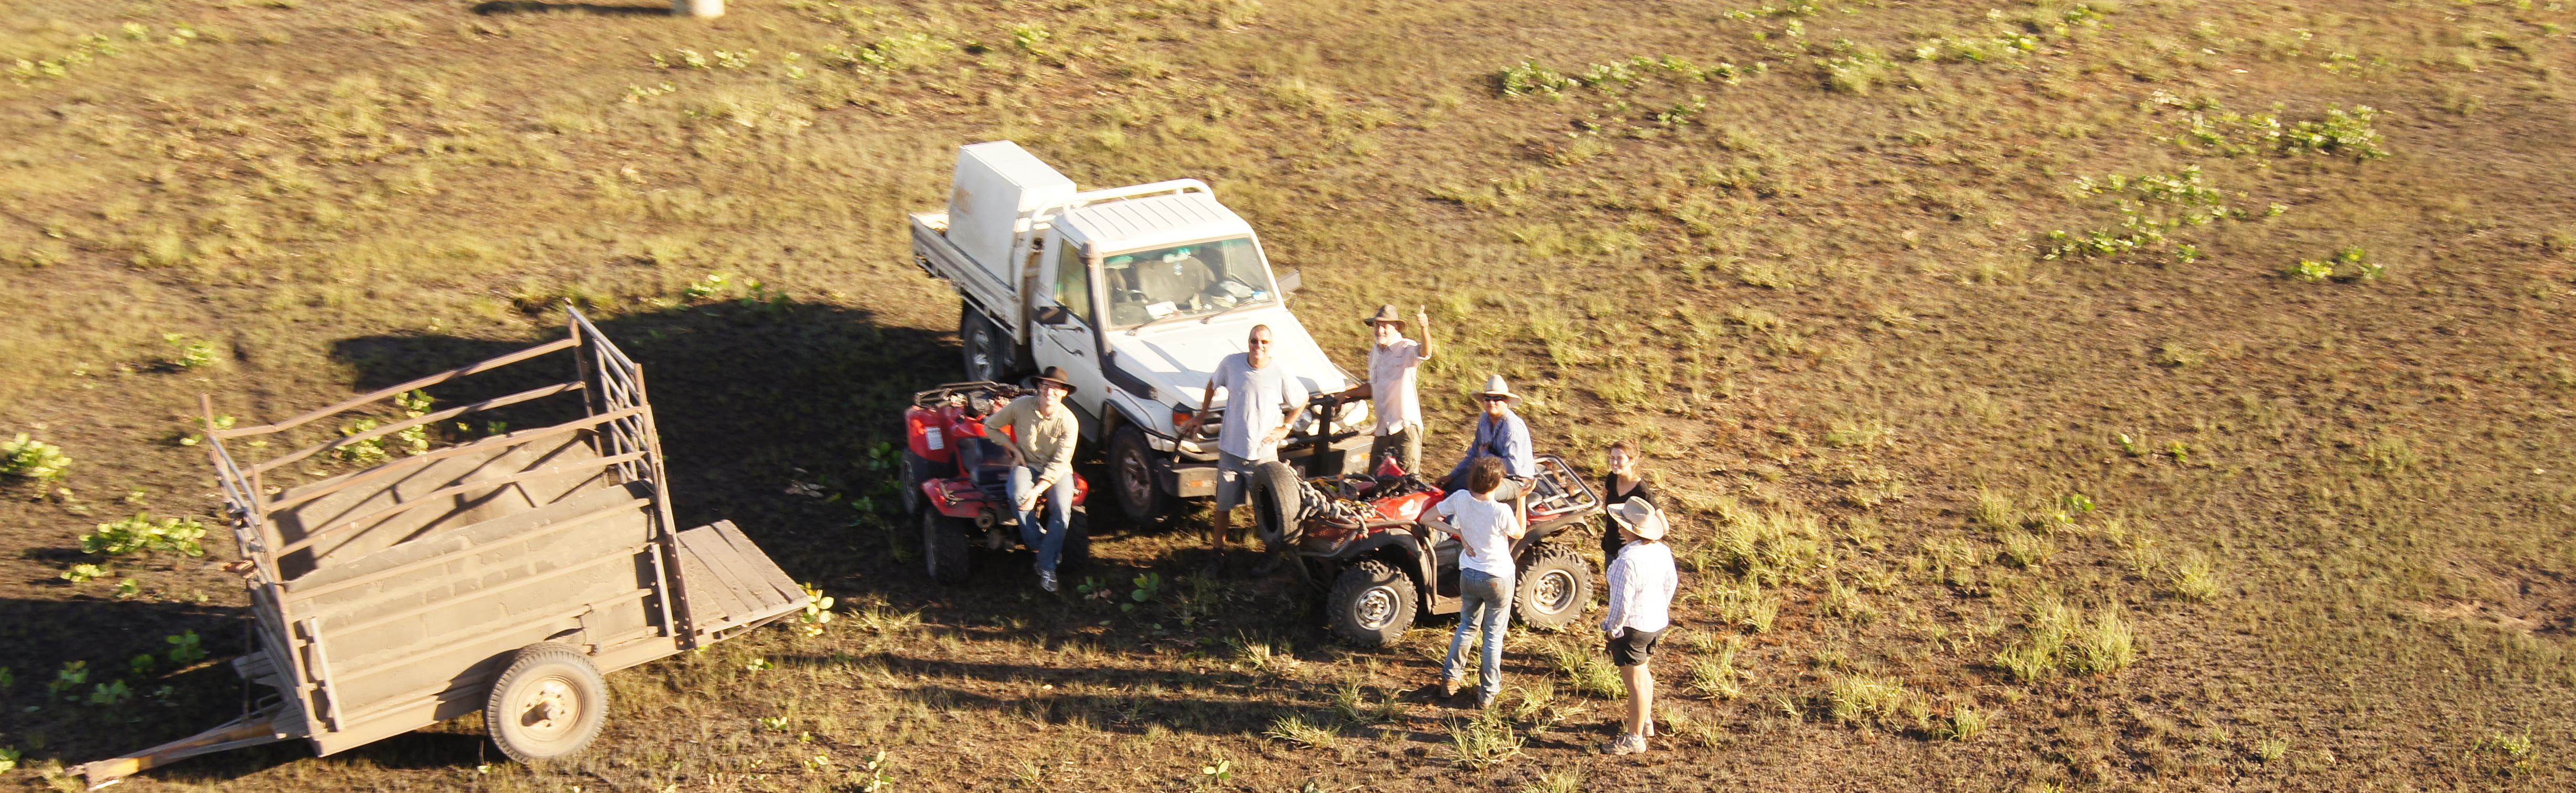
x=1485, y=529
x=1642, y=581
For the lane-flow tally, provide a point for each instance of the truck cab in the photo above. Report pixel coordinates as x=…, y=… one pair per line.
x=1138, y=293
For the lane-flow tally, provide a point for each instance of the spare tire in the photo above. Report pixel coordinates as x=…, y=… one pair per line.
x=1276, y=503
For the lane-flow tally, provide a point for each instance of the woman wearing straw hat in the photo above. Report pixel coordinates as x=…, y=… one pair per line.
x=1501, y=434
x=1641, y=593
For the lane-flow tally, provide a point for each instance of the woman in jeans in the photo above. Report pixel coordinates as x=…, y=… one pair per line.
x=1485, y=529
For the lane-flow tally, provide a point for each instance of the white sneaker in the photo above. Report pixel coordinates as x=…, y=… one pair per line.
x=1627, y=744
x=1046, y=580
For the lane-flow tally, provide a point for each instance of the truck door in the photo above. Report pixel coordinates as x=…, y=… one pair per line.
x=1070, y=340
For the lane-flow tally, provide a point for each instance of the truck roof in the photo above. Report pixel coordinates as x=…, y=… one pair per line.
x=1151, y=222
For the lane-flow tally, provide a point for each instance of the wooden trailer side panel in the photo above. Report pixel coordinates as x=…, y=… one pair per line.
x=453, y=605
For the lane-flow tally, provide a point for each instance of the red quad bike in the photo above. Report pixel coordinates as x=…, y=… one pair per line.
x=959, y=480
x=1362, y=538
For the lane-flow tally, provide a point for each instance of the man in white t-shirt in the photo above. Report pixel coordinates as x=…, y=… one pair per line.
x=1263, y=399
x=1393, y=396
x=1485, y=529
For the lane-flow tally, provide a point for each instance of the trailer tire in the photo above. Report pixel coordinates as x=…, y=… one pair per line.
x=1372, y=604
x=1276, y=502
x=1554, y=587
x=989, y=353
x=547, y=705
x=943, y=547
x=1131, y=478
x=916, y=470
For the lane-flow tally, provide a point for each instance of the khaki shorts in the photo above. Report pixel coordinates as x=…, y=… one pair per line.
x=1233, y=478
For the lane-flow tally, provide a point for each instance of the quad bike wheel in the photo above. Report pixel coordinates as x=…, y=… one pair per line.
x=548, y=705
x=943, y=546
x=916, y=470
x=1554, y=587
x=1077, y=543
x=1276, y=502
x=1372, y=603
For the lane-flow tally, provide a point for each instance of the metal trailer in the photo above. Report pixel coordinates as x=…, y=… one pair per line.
x=503, y=575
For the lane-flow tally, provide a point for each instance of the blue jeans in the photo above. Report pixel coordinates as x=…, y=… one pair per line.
x=1486, y=598
x=1059, y=511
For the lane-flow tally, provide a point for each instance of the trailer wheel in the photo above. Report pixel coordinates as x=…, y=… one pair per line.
x=1554, y=587
x=1276, y=502
x=1131, y=478
x=547, y=706
x=943, y=547
x=1372, y=604
x=990, y=355
x=916, y=470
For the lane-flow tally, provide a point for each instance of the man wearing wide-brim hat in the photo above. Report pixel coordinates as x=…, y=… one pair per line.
x=1500, y=433
x=1642, y=582
x=1391, y=388
x=1040, y=445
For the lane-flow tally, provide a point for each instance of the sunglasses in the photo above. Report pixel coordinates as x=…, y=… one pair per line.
x=1496, y=399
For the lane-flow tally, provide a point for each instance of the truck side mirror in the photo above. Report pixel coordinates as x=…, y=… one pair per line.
x=1052, y=315
x=1289, y=283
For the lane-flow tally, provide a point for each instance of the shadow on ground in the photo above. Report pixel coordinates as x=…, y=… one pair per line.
x=497, y=7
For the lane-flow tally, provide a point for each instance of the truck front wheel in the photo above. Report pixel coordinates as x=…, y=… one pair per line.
x=1131, y=476
x=990, y=353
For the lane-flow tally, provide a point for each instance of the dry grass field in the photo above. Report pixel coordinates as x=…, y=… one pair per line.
x=2065, y=396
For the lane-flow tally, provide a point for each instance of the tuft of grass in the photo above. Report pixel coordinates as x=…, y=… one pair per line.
x=1964, y=723
x=1588, y=673
x=2027, y=550
x=1994, y=511
x=1483, y=741
x=1296, y=729
x=1568, y=780
x=2103, y=645
x=2194, y=578
x=1870, y=698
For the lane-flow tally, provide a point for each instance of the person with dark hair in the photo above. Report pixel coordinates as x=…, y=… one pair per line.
x=1263, y=400
x=1484, y=529
x=1641, y=597
x=1620, y=485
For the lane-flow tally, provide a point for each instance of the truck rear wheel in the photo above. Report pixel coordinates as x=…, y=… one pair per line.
x=1554, y=588
x=1372, y=604
x=548, y=705
x=943, y=547
x=1131, y=478
x=990, y=353
x=1276, y=503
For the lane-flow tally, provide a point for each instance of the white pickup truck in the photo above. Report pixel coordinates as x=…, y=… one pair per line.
x=1138, y=292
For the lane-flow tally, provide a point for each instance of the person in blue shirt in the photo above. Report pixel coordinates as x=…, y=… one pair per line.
x=1501, y=434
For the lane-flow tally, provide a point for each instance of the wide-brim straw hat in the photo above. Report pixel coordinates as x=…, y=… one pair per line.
x=1494, y=386
x=1055, y=375
x=1386, y=313
x=1640, y=518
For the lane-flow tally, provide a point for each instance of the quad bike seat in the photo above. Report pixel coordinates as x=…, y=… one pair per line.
x=987, y=465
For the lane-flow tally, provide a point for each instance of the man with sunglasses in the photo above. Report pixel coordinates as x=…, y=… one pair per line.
x=1259, y=392
x=1501, y=434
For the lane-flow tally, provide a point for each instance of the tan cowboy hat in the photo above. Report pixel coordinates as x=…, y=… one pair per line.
x=1385, y=313
x=1640, y=518
x=1494, y=386
x=1055, y=375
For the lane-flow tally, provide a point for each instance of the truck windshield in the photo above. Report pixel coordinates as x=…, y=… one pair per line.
x=1183, y=280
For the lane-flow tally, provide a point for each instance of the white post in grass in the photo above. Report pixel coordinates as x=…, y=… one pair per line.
x=698, y=8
